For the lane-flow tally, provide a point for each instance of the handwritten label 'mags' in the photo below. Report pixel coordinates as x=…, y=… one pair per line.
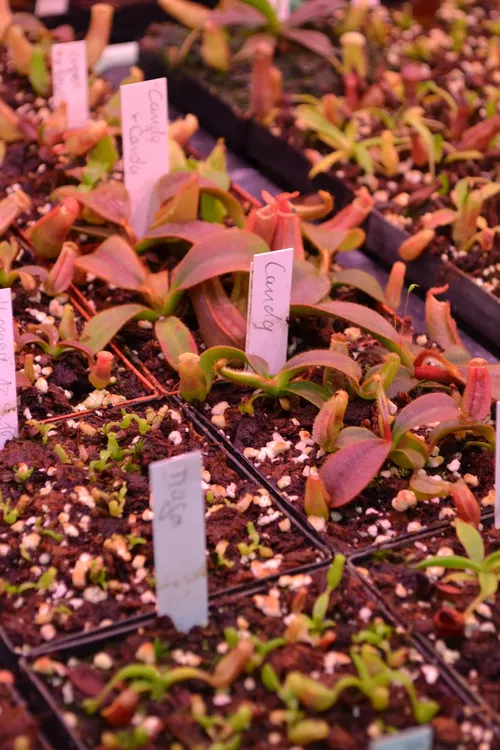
x=69, y=80
x=145, y=146
x=8, y=399
x=51, y=7
x=179, y=539
x=269, y=307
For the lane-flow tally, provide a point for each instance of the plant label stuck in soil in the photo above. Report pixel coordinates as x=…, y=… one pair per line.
x=282, y=8
x=51, y=7
x=497, y=471
x=269, y=307
x=145, y=146
x=8, y=398
x=420, y=738
x=70, y=81
x=179, y=540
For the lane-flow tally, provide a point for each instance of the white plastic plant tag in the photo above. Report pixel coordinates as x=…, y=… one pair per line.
x=144, y=110
x=419, y=738
x=497, y=471
x=8, y=398
x=51, y=7
x=282, y=8
x=269, y=307
x=70, y=81
x=179, y=540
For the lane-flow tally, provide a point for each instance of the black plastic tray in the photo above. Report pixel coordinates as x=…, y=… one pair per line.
x=426, y=646
x=477, y=309
x=45, y=704
x=9, y=655
x=16, y=698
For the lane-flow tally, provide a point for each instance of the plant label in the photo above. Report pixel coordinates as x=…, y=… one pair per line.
x=179, y=540
x=70, y=81
x=269, y=307
x=51, y=7
x=497, y=471
x=420, y=738
x=8, y=397
x=282, y=8
x=144, y=111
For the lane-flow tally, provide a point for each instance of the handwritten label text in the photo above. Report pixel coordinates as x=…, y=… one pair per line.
x=69, y=80
x=51, y=7
x=8, y=400
x=179, y=540
x=145, y=146
x=269, y=307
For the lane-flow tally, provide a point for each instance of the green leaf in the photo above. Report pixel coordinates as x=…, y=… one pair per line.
x=100, y=329
x=348, y=471
x=362, y=280
x=364, y=159
x=471, y=540
x=101, y=161
x=455, y=562
x=264, y=7
x=492, y=561
x=312, y=392
x=175, y=339
x=231, y=204
x=38, y=74
x=223, y=252
x=361, y=316
x=350, y=435
x=323, y=358
x=335, y=572
x=488, y=583
x=216, y=353
x=433, y=407
x=327, y=162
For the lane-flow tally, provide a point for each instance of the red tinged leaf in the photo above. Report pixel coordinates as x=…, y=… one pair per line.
x=425, y=410
x=312, y=11
x=262, y=221
x=220, y=322
x=353, y=215
x=479, y=136
x=349, y=470
x=189, y=231
x=316, y=498
x=315, y=41
x=361, y=280
x=48, y=234
x=100, y=329
x=308, y=283
x=110, y=201
x=449, y=623
x=115, y=262
x=468, y=509
x=441, y=327
x=175, y=339
x=476, y=401
x=223, y=252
